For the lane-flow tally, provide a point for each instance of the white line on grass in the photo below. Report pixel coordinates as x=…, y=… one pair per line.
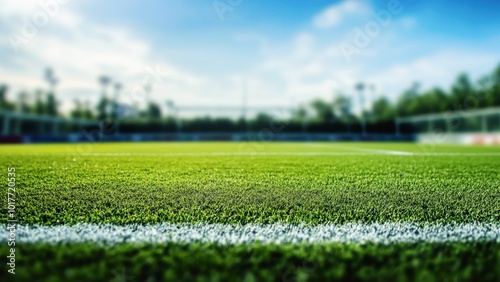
x=277, y=233
x=386, y=152
x=232, y=154
x=457, y=154
x=365, y=153
x=361, y=152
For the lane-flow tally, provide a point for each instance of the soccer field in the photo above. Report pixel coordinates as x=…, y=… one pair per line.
x=254, y=211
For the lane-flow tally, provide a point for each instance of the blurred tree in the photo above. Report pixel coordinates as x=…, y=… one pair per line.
x=40, y=107
x=461, y=90
x=408, y=103
x=262, y=118
x=383, y=110
x=153, y=111
x=433, y=101
x=301, y=116
x=86, y=111
x=3, y=93
x=114, y=103
x=300, y=113
x=51, y=105
x=77, y=112
x=342, y=106
x=4, y=104
x=485, y=90
x=494, y=90
x=23, y=105
x=261, y=121
x=240, y=124
x=324, y=110
x=102, y=106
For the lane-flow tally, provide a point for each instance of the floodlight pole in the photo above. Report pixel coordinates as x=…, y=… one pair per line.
x=104, y=81
x=118, y=86
x=244, y=103
x=51, y=79
x=175, y=114
x=178, y=120
x=360, y=87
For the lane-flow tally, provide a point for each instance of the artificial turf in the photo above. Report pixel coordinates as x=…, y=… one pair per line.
x=239, y=183
x=56, y=188
x=210, y=262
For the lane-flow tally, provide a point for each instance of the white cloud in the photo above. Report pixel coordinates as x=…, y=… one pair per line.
x=303, y=45
x=438, y=69
x=306, y=66
x=255, y=38
x=322, y=70
x=334, y=14
x=408, y=22
x=79, y=52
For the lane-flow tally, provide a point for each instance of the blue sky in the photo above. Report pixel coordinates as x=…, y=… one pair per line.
x=287, y=52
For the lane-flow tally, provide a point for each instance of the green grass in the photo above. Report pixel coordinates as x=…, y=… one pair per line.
x=209, y=262
x=56, y=188
x=56, y=185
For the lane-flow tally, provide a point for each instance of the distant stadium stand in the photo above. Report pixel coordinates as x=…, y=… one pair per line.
x=12, y=122
x=465, y=126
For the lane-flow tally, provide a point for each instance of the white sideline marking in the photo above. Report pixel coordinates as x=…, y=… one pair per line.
x=233, y=154
x=452, y=154
x=361, y=152
x=387, y=152
x=376, y=151
x=366, y=152
x=276, y=233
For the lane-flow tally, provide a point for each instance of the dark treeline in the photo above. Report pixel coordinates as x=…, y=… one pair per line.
x=319, y=115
